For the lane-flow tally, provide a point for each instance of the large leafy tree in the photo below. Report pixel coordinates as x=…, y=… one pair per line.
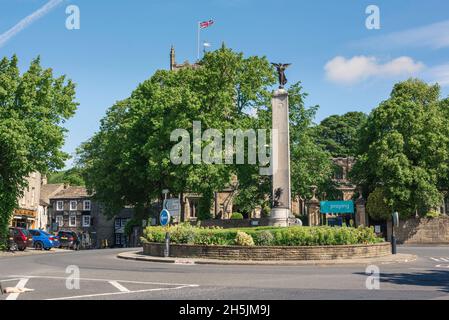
x=33, y=108
x=404, y=148
x=128, y=161
x=339, y=134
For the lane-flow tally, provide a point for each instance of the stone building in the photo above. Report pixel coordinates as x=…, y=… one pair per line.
x=174, y=66
x=341, y=177
x=71, y=208
x=27, y=214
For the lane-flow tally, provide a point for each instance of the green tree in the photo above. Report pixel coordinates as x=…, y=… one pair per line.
x=33, y=107
x=404, y=148
x=128, y=161
x=72, y=176
x=377, y=207
x=339, y=134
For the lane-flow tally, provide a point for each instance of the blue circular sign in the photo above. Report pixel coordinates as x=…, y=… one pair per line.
x=164, y=217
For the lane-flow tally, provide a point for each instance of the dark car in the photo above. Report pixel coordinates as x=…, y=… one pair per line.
x=22, y=238
x=69, y=240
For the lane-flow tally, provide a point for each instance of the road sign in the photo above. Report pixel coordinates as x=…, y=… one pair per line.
x=164, y=217
x=337, y=207
x=173, y=206
x=395, y=217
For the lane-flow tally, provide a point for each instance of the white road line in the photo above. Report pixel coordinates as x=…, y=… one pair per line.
x=104, y=280
x=434, y=259
x=20, y=285
x=119, y=293
x=445, y=259
x=8, y=280
x=118, y=286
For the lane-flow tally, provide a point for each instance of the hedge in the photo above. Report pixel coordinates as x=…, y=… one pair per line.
x=263, y=236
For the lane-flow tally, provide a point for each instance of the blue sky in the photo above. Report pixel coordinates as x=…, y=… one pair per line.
x=342, y=65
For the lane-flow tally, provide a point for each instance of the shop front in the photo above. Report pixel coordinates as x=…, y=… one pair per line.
x=24, y=218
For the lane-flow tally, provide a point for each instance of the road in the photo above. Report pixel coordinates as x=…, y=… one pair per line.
x=103, y=276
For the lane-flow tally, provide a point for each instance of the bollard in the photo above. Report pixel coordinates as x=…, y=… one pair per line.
x=167, y=245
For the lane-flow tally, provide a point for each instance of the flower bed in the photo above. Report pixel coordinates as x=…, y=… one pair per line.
x=262, y=236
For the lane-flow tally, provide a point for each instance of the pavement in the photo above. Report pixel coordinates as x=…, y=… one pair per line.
x=30, y=251
x=397, y=258
x=100, y=275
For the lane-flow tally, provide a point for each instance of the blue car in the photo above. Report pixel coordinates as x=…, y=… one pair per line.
x=44, y=240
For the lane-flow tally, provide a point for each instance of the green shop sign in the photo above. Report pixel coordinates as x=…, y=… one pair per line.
x=337, y=207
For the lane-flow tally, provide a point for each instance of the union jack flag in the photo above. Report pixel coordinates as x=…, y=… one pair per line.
x=206, y=24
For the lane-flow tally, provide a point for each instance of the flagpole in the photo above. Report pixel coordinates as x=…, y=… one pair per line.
x=198, y=43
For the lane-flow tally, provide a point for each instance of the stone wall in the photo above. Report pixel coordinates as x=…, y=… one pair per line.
x=422, y=231
x=269, y=253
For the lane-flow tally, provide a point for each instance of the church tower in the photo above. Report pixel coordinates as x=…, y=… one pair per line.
x=172, y=58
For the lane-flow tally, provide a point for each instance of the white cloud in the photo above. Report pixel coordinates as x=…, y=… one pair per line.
x=5, y=37
x=359, y=68
x=435, y=36
x=439, y=74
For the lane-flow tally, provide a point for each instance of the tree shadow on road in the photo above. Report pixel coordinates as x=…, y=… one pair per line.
x=432, y=278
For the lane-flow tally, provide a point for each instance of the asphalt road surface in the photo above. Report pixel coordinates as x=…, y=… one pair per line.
x=103, y=276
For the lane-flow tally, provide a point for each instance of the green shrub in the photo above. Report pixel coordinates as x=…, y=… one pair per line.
x=263, y=236
x=243, y=239
x=237, y=216
x=432, y=214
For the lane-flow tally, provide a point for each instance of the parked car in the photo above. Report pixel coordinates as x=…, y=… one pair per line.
x=43, y=240
x=22, y=238
x=69, y=240
x=11, y=244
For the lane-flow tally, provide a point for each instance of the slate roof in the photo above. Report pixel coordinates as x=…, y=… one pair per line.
x=48, y=190
x=72, y=193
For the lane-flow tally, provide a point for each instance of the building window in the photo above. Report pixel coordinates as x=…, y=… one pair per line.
x=59, y=205
x=117, y=223
x=124, y=222
x=86, y=205
x=73, y=205
x=86, y=221
x=60, y=221
x=118, y=239
x=72, y=220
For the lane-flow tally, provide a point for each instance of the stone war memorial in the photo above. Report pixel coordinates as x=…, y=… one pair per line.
x=281, y=183
x=279, y=239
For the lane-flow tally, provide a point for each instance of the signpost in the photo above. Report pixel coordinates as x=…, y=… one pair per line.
x=173, y=206
x=164, y=220
x=346, y=207
x=395, y=223
x=164, y=217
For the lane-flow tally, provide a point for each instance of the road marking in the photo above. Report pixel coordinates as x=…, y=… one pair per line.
x=118, y=286
x=435, y=259
x=119, y=293
x=104, y=280
x=442, y=266
x=21, y=284
x=9, y=280
x=115, y=283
